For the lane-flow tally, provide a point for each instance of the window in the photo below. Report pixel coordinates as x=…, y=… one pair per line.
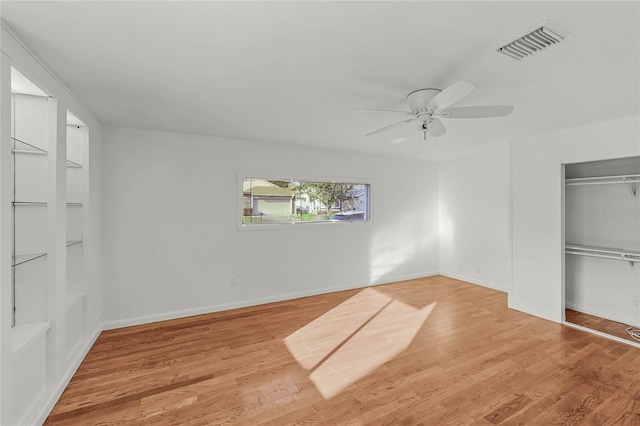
x=270, y=201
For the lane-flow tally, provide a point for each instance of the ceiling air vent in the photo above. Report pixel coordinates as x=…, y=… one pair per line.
x=532, y=41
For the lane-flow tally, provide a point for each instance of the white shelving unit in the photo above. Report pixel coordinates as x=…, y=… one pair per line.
x=50, y=245
x=77, y=135
x=30, y=137
x=48, y=226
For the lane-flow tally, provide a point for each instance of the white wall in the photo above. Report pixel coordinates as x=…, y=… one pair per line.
x=474, y=218
x=537, y=205
x=170, y=237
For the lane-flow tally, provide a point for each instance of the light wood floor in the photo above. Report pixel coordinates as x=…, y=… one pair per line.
x=384, y=355
x=603, y=325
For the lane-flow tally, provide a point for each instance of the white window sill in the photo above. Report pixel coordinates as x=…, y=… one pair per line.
x=298, y=225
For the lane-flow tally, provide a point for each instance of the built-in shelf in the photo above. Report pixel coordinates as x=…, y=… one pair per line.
x=24, y=335
x=29, y=151
x=74, y=297
x=41, y=203
x=38, y=151
x=73, y=164
x=19, y=259
x=631, y=256
x=43, y=151
x=29, y=203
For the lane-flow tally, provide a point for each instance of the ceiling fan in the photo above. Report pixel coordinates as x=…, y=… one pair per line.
x=429, y=105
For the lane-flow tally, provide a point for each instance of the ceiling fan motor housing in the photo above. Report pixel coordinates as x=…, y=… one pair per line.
x=419, y=99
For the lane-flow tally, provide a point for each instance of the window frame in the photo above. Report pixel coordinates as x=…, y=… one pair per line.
x=239, y=210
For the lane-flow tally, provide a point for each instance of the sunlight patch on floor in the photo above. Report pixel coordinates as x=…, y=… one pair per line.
x=355, y=338
x=315, y=341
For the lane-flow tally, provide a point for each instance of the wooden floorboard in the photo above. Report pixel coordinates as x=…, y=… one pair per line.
x=603, y=325
x=431, y=351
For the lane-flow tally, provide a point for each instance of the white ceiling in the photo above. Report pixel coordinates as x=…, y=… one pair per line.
x=293, y=72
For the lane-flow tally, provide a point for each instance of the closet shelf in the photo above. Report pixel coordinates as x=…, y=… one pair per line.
x=631, y=256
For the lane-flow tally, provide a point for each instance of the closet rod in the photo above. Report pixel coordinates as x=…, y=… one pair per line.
x=602, y=177
x=604, y=256
x=602, y=183
x=605, y=250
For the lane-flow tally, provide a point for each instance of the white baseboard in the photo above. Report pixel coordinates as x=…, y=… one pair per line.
x=388, y=280
x=109, y=325
x=45, y=409
x=590, y=310
x=476, y=281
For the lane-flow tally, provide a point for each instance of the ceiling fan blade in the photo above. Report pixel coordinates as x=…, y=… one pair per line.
x=451, y=95
x=478, y=111
x=384, y=110
x=391, y=126
x=435, y=128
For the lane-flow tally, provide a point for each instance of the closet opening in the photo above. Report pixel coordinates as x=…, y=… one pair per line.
x=602, y=246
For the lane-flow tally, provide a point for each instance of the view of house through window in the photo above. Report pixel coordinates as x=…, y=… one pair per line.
x=293, y=201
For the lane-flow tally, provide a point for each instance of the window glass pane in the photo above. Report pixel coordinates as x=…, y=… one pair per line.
x=267, y=201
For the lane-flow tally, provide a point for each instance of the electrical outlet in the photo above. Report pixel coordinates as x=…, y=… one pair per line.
x=232, y=282
x=636, y=301
x=478, y=270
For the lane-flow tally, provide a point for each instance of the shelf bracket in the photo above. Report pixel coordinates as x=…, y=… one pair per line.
x=629, y=260
x=632, y=185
